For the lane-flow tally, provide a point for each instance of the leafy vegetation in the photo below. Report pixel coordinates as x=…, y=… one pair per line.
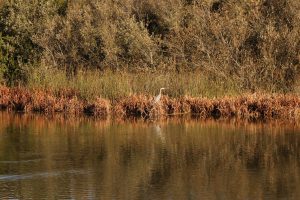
x=251, y=45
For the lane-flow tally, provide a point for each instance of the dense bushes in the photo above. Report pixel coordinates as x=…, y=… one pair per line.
x=254, y=43
x=19, y=23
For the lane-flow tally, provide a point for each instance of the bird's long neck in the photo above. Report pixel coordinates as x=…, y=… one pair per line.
x=160, y=91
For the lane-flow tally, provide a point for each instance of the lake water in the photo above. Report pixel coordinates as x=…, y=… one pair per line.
x=56, y=158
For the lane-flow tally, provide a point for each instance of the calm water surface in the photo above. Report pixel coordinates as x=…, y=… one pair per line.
x=54, y=158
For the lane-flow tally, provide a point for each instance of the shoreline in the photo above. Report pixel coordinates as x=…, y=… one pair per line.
x=247, y=106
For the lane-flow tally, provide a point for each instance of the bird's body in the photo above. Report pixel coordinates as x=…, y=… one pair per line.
x=157, y=98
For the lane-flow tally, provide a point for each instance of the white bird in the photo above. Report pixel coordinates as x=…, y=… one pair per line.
x=157, y=98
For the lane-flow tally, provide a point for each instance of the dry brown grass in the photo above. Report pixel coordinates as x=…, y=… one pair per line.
x=135, y=105
x=23, y=100
x=249, y=106
x=254, y=106
x=100, y=107
x=4, y=97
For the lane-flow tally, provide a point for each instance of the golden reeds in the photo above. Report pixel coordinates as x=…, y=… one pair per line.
x=251, y=106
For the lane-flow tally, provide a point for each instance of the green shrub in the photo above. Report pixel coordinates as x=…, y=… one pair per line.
x=20, y=21
x=136, y=45
x=74, y=40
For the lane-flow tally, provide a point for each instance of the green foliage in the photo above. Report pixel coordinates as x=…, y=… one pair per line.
x=2, y=59
x=73, y=41
x=19, y=21
x=136, y=45
x=10, y=70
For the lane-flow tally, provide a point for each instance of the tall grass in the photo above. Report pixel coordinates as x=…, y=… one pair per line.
x=113, y=85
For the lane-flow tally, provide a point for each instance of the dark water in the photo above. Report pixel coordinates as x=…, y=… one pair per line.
x=54, y=158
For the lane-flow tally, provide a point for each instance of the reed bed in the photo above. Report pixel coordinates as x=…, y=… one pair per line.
x=48, y=102
x=248, y=106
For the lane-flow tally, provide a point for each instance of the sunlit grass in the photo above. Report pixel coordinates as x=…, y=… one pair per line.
x=114, y=85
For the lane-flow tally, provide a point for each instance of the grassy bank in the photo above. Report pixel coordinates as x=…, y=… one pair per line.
x=111, y=57
x=113, y=85
x=69, y=102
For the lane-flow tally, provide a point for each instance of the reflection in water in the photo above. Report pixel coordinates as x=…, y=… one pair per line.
x=36, y=175
x=19, y=161
x=159, y=133
x=61, y=158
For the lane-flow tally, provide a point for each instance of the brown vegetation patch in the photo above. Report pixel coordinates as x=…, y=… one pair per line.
x=20, y=100
x=23, y=100
x=175, y=106
x=100, y=107
x=247, y=107
x=135, y=105
x=254, y=106
x=4, y=97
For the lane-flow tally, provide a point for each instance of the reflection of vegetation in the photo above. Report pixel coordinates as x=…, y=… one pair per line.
x=132, y=161
x=244, y=45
